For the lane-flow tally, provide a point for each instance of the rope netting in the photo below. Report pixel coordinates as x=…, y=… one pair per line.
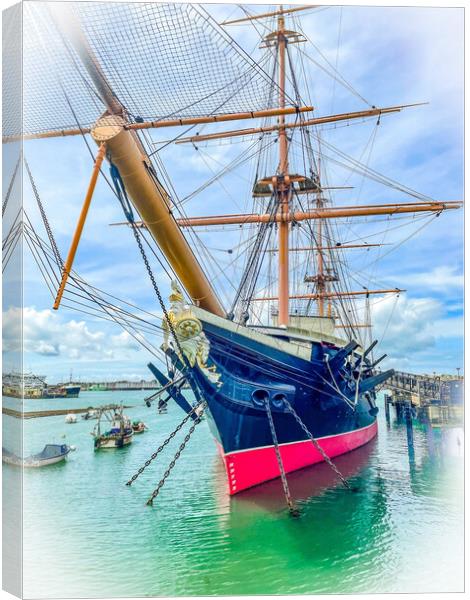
x=160, y=61
x=11, y=70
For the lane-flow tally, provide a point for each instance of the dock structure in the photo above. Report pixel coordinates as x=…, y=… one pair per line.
x=120, y=386
x=437, y=398
x=34, y=414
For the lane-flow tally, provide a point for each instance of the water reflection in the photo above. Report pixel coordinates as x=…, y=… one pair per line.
x=197, y=540
x=376, y=539
x=306, y=483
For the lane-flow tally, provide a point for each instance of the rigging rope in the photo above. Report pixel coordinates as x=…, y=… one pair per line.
x=10, y=187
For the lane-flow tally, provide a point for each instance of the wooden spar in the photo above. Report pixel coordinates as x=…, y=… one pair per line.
x=331, y=295
x=67, y=22
x=353, y=326
x=324, y=213
x=320, y=278
x=154, y=206
x=81, y=222
x=283, y=188
x=126, y=152
x=339, y=247
x=269, y=14
x=255, y=114
x=308, y=123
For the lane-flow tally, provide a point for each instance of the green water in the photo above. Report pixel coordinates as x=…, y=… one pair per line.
x=87, y=534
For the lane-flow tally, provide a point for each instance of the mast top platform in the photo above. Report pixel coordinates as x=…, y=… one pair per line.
x=290, y=37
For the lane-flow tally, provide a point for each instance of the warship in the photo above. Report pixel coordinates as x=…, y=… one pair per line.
x=275, y=349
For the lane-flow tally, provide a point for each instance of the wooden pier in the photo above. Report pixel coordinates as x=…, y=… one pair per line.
x=439, y=398
x=34, y=414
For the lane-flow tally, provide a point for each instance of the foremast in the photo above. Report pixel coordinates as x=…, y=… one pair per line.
x=118, y=141
x=283, y=188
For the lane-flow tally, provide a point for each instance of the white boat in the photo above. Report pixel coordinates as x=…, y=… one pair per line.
x=108, y=441
x=90, y=414
x=71, y=418
x=51, y=454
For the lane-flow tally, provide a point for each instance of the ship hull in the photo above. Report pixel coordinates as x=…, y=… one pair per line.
x=114, y=441
x=251, y=467
x=254, y=370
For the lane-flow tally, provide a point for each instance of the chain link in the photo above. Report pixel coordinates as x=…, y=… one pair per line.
x=162, y=481
x=163, y=445
x=326, y=458
x=292, y=509
x=127, y=208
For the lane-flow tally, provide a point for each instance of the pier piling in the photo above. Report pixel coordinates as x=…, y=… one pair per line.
x=408, y=414
x=387, y=400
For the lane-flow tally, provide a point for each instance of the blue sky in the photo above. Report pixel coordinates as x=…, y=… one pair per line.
x=391, y=56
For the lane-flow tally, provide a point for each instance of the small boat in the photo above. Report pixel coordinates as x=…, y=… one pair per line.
x=90, y=414
x=113, y=439
x=71, y=418
x=120, y=433
x=138, y=426
x=51, y=454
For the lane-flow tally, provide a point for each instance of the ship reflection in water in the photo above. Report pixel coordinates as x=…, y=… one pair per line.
x=373, y=539
x=307, y=483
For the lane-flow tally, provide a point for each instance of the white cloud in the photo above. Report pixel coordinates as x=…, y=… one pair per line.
x=410, y=326
x=445, y=279
x=45, y=333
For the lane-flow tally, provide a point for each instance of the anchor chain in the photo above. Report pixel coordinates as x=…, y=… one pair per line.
x=290, y=503
x=326, y=458
x=162, y=481
x=162, y=446
x=129, y=214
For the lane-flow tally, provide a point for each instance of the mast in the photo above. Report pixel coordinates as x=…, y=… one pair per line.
x=126, y=152
x=320, y=280
x=283, y=186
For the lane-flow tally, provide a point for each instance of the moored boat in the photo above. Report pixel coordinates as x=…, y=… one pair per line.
x=51, y=454
x=90, y=414
x=120, y=432
x=138, y=426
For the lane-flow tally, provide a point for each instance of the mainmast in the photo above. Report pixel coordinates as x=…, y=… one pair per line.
x=283, y=183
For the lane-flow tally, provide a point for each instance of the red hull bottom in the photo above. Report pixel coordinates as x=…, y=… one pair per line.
x=247, y=468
